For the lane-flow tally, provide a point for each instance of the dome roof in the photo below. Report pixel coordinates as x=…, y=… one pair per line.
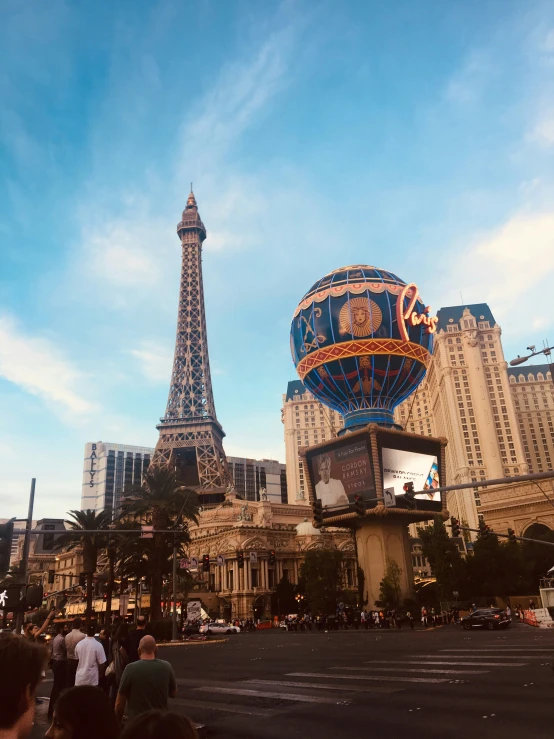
x=306, y=528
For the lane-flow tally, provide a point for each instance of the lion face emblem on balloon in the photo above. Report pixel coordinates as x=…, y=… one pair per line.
x=360, y=317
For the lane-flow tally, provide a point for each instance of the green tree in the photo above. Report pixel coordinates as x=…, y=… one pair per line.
x=161, y=502
x=321, y=573
x=390, y=585
x=445, y=560
x=283, y=599
x=497, y=568
x=81, y=534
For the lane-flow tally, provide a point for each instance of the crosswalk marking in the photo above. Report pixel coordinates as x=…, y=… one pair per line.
x=292, y=684
x=477, y=656
x=500, y=649
x=381, y=678
x=267, y=694
x=475, y=663
x=397, y=669
x=225, y=707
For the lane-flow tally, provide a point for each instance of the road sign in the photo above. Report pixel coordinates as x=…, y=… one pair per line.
x=389, y=497
x=253, y=558
x=220, y=559
x=194, y=610
x=194, y=563
x=184, y=564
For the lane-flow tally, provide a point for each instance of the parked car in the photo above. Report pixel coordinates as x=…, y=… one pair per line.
x=190, y=629
x=214, y=627
x=487, y=618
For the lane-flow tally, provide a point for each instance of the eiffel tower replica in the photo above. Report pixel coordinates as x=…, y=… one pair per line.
x=191, y=438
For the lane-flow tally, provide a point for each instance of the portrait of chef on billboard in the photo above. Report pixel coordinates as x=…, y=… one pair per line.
x=329, y=490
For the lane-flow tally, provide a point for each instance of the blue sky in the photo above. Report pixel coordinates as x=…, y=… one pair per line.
x=418, y=137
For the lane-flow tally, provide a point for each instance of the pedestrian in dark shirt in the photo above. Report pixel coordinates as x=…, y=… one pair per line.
x=59, y=667
x=134, y=639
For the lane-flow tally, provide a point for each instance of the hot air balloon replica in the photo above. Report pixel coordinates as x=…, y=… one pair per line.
x=361, y=341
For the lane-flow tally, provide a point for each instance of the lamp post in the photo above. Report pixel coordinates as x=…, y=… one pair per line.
x=547, y=351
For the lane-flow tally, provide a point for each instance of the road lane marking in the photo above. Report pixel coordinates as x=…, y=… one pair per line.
x=246, y=710
x=433, y=662
x=485, y=656
x=401, y=669
x=265, y=694
x=390, y=678
x=499, y=649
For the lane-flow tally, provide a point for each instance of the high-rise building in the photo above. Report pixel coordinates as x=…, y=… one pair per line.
x=306, y=422
x=466, y=396
x=109, y=470
x=191, y=437
x=254, y=478
x=533, y=397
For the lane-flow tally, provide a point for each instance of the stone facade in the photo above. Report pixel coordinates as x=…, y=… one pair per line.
x=519, y=507
x=259, y=528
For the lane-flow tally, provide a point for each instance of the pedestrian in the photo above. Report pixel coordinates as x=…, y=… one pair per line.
x=159, y=725
x=531, y=604
x=92, y=659
x=59, y=667
x=32, y=631
x=83, y=712
x=508, y=611
x=146, y=684
x=22, y=664
x=410, y=619
x=135, y=637
x=71, y=641
x=119, y=656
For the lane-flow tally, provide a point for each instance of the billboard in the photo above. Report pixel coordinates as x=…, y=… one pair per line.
x=401, y=466
x=340, y=472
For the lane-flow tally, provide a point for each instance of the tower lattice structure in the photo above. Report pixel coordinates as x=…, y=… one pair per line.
x=191, y=438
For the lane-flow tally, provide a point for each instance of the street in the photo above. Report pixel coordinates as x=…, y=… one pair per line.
x=393, y=683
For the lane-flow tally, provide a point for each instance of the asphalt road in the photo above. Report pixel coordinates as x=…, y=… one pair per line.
x=302, y=685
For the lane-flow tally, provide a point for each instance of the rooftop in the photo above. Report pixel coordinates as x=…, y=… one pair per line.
x=295, y=388
x=453, y=314
x=531, y=369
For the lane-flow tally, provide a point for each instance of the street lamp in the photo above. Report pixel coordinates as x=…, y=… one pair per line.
x=547, y=351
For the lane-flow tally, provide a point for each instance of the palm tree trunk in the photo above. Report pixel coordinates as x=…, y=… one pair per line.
x=89, y=612
x=156, y=583
x=109, y=586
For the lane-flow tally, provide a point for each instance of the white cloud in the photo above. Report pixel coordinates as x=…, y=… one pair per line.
x=118, y=254
x=543, y=131
x=509, y=268
x=467, y=84
x=39, y=368
x=155, y=361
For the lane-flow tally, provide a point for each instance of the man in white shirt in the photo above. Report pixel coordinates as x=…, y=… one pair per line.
x=92, y=659
x=328, y=490
x=71, y=641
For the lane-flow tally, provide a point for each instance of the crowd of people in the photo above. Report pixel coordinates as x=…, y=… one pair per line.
x=98, y=681
x=386, y=618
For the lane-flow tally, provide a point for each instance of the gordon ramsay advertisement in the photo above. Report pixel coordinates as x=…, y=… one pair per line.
x=341, y=472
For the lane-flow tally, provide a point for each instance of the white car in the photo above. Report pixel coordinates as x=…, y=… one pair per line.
x=214, y=627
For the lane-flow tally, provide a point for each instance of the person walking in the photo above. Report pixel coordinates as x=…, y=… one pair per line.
x=120, y=658
x=59, y=667
x=92, y=659
x=146, y=684
x=134, y=639
x=410, y=619
x=71, y=641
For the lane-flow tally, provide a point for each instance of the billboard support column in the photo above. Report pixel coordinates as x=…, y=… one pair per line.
x=378, y=539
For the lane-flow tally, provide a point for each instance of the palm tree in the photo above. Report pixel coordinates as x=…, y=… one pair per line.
x=81, y=534
x=163, y=503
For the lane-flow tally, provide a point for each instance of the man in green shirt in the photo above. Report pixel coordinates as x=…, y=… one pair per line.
x=145, y=684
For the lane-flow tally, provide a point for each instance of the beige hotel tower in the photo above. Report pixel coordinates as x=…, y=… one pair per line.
x=468, y=395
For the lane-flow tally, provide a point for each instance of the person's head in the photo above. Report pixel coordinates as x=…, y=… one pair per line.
x=147, y=647
x=59, y=628
x=76, y=623
x=83, y=712
x=324, y=467
x=122, y=631
x=91, y=630
x=159, y=725
x=22, y=663
x=104, y=633
x=141, y=622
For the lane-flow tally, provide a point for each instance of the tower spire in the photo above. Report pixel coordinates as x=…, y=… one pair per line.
x=190, y=435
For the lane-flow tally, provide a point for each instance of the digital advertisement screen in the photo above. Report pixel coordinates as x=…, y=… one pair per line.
x=341, y=472
x=400, y=467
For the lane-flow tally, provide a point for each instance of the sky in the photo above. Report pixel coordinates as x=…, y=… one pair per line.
x=417, y=137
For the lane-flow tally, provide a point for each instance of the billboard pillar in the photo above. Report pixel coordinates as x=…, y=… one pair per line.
x=380, y=539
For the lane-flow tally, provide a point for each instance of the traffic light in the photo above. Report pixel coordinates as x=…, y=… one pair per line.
x=317, y=508
x=409, y=494
x=359, y=505
x=272, y=557
x=10, y=598
x=240, y=559
x=484, y=530
x=34, y=596
x=455, y=526
x=512, y=535
x=206, y=562
x=6, y=538
x=51, y=575
x=82, y=580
